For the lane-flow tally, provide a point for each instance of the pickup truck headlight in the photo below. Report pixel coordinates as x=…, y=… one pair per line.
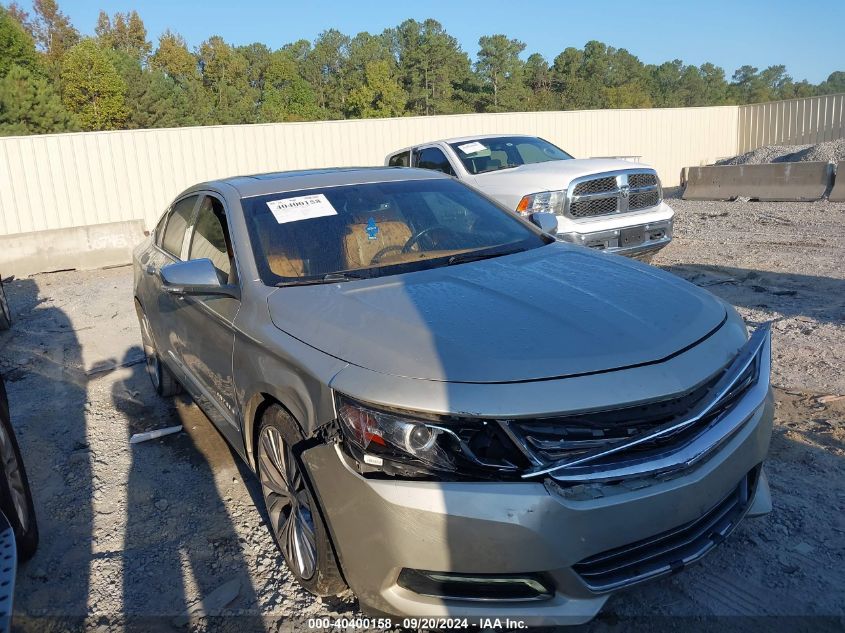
x=543, y=202
x=405, y=443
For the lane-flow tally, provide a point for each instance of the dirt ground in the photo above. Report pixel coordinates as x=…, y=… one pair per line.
x=152, y=536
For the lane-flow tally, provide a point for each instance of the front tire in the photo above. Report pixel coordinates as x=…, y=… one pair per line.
x=164, y=382
x=295, y=517
x=5, y=312
x=15, y=495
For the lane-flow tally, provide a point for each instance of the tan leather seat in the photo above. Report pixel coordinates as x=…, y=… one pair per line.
x=283, y=257
x=359, y=249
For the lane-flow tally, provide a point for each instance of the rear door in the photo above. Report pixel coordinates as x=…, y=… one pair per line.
x=433, y=158
x=208, y=322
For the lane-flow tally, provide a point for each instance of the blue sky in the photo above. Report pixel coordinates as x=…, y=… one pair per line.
x=806, y=36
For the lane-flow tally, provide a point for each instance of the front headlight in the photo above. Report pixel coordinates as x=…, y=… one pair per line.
x=407, y=443
x=543, y=202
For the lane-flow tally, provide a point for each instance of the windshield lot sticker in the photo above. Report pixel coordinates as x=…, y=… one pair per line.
x=472, y=148
x=372, y=229
x=301, y=208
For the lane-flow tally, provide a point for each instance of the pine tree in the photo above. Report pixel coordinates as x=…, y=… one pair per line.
x=29, y=105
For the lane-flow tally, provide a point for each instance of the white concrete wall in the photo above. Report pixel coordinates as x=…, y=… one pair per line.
x=58, y=182
x=66, y=180
x=793, y=122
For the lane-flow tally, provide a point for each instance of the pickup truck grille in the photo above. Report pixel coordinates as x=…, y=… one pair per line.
x=612, y=193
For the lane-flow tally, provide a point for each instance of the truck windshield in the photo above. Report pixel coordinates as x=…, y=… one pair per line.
x=368, y=230
x=505, y=152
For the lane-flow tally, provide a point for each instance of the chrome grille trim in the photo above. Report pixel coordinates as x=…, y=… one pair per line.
x=611, y=193
x=585, y=468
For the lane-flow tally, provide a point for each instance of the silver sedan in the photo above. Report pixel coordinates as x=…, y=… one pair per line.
x=450, y=411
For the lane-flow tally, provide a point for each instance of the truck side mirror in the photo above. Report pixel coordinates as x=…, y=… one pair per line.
x=546, y=222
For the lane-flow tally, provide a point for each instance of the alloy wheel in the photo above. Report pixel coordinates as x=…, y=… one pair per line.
x=153, y=364
x=288, y=503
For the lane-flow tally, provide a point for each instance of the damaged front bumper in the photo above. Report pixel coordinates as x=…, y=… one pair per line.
x=534, y=531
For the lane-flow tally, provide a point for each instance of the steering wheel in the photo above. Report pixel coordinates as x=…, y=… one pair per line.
x=416, y=237
x=387, y=249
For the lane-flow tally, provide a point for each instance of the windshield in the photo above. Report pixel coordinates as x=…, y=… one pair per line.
x=504, y=152
x=375, y=229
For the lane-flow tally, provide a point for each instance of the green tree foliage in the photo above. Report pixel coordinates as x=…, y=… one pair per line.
x=432, y=68
x=287, y=95
x=17, y=47
x=174, y=59
x=117, y=80
x=125, y=33
x=379, y=95
x=835, y=83
x=53, y=33
x=92, y=88
x=153, y=99
x=29, y=105
x=227, y=87
x=500, y=71
x=538, y=80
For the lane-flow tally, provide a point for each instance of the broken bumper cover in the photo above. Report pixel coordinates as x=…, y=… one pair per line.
x=527, y=529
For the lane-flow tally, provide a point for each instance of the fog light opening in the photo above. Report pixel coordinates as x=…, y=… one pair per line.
x=480, y=587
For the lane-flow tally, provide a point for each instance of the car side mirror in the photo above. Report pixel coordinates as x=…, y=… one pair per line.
x=546, y=222
x=196, y=277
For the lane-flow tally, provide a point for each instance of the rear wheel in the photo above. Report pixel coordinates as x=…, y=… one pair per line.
x=5, y=312
x=295, y=518
x=164, y=382
x=15, y=496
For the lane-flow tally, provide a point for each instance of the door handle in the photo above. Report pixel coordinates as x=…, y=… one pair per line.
x=150, y=269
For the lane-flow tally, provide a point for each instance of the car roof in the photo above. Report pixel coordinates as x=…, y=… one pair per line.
x=459, y=139
x=283, y=181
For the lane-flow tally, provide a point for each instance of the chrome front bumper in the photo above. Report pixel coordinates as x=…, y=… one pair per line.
x=656, y=235
x=380, y=527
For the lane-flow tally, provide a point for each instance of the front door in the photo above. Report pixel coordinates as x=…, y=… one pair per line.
x=207, y=323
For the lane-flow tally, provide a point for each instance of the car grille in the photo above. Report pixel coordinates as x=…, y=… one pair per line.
x=595, y=185
x=608, y=194
x=653, y=438
x=591, y=208
x=670, y=551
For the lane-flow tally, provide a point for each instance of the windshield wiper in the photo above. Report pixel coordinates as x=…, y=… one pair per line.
x=328, y=278
x=474, y=256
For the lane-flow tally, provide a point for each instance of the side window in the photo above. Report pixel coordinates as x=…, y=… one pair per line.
x=402, y=159
x=174, y=232
x=434, y=159
x=211, y=237
x=159, y=230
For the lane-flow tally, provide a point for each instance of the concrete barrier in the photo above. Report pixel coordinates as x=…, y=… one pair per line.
x=81, y=247
x=837, y=194
x=770, y=182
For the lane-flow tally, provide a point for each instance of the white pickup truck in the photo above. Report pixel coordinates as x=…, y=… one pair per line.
x=603, y=203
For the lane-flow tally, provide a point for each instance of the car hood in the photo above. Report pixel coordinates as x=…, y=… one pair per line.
x=549, y=176
x=554, y=311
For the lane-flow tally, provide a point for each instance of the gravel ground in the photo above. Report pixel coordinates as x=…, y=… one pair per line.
x=154, y=536
x=829, y=151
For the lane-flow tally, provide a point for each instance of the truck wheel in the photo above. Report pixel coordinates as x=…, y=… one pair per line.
x=15, y=495
x=5, y=312
x=295, y=517
x=164, y=382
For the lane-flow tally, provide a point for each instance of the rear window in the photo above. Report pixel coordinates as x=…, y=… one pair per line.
x=402, y=159
x=174, y=231
x=376, y=229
